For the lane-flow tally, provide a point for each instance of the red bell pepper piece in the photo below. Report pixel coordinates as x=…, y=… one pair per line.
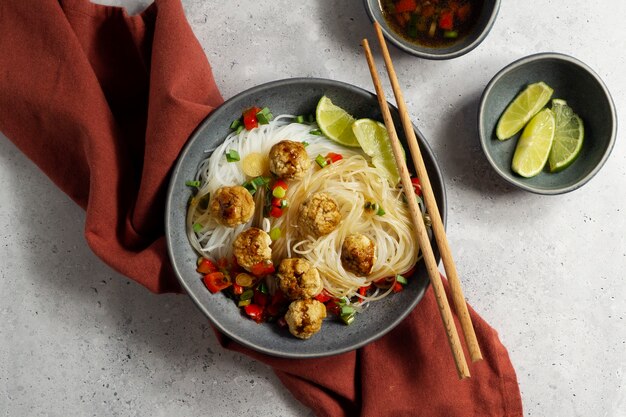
x=216, y=281
x=397, y=287
x=446, y=20
x=276, y=212
x=262, y=268
x=255, y=312
x=333, y=307
x=260, y=298
x=405, y=6
x=323, y=297
x=237, y=289
x=206, y=266
x=417, y=186
x=333, y=157
x=250, y=120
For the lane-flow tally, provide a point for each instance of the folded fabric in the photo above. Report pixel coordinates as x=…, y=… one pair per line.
x=103, y=103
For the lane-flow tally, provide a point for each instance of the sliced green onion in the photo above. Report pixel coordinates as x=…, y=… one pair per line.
x=348, y=318
x=192, y=183
x=264, y=116
x=450, y=34
x=305, y=143
x=380, y=211
x=244, y=303
x=250, y=187
x=347, y=310
x=262, y=119
x=232, y=156
x=197, y=227
x=235, y=124
x=316, y=132
x=263, y=288
x=247, y=294
x=299, y=119
x=310, y=118
x=239, y=129
x=321, y=161
x=275, y=234
x=401, y=280
x=279, y=192
x=259, y=181
x=284, y=203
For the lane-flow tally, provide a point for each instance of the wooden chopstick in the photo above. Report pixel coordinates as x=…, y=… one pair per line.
x=431, y=206
x=418, y=221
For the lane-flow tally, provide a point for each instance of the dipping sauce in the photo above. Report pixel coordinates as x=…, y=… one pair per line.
x=433, y=23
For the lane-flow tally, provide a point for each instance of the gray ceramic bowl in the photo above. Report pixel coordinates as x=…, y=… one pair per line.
x=292, y=96
x=572, y=81
x=479, y=32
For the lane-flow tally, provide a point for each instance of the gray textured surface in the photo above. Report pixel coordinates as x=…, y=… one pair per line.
x=77, y=339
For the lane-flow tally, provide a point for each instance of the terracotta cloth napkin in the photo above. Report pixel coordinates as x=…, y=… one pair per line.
x=103, y=102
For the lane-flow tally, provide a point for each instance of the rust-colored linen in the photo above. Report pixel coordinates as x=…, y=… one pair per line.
x=103, y=103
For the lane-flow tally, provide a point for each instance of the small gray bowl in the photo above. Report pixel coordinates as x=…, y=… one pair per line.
x=479, y=32
x=572, y=81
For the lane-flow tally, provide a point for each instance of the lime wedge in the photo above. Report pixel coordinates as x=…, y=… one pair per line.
x=568, y=136
x=533, y=147
x=522, y=109
x=374, y=139
x=335, y=122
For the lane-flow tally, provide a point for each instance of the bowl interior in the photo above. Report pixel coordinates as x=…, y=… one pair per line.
x=488, y=12
x=573, y=82
x=293, y=96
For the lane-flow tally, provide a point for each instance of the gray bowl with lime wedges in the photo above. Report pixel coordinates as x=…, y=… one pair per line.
x=547, y=123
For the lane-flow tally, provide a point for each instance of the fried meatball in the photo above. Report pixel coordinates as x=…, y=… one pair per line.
x=251, y=247
x=297, y=278
x=305, y=317
x=232, y=206
x=289, y=160
x=318, y=215
x=358, y=254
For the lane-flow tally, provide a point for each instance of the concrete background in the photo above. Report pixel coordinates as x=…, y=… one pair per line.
x=77, y=339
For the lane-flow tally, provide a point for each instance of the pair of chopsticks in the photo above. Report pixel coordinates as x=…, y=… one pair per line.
x=418, y=221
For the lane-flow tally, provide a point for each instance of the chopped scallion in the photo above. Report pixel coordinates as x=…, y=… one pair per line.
x=348, y=318
x=450, y=34
x=263, y=288
x=299, y=119
x=347, y=310
x=259, y=181
x=247, y=294
x=192, y=183
x=321, y=161
x=380, y=211
x=401, y=280
x=244, y=303
x=235, y=124
x=239, y=129
x=305, y=143
x=197, y=227
x=316, y=132
x=232, y=156
x=310, y=118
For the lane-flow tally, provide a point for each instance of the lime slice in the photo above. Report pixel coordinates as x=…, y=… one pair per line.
x=533, y=147
x=568, y=136
x=335, y=122
x=374, y=139
x=522, y=109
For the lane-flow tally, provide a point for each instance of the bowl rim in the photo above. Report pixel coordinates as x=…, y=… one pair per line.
x=430, y=55
x=484, y=136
